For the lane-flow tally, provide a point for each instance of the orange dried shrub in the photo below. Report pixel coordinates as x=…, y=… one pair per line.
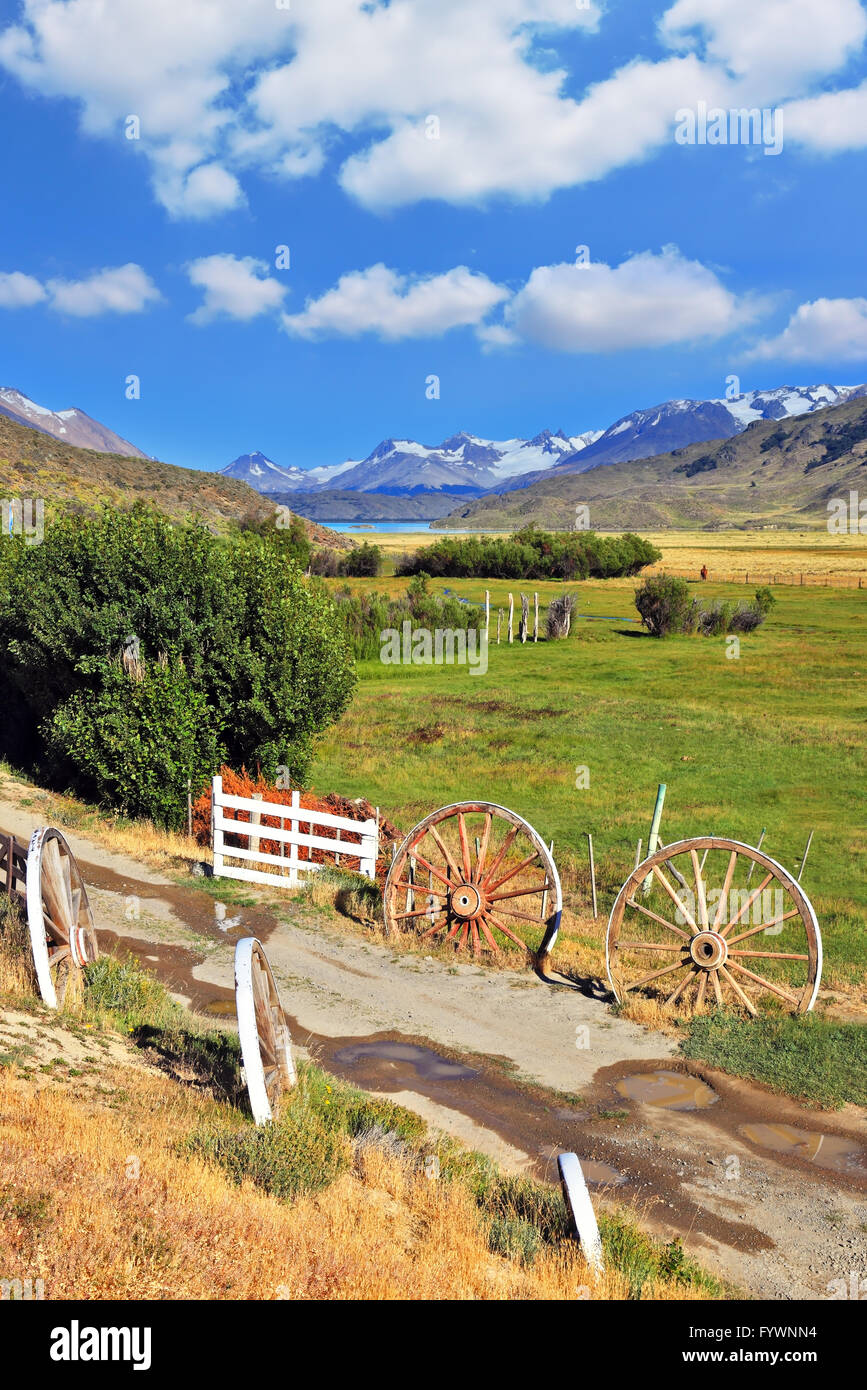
x=245, y=784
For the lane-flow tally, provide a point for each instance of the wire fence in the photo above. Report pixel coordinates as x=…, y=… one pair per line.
x=805, y=580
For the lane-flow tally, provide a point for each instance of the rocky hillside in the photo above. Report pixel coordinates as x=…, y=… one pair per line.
x=776, y=473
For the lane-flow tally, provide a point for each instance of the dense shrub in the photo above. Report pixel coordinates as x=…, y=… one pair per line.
x=136, y=654
x=367, y=616
x=363, y=561
x=532, y=554
x=666, y=605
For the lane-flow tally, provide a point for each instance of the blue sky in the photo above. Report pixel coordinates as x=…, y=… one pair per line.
x=263, y=126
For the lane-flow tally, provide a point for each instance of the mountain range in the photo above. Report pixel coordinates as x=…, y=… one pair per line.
x=71, y=426
x=468, y=467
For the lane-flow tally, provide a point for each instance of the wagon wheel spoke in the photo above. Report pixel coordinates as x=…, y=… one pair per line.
x=678, y=991
x=432, y=869
x=747, y=1002
x=501, y=926
x=503, y=851
x=435, y=926
x=657, y=974
x=60, y=933
x=724, y=895
x=486, y=932
x=699, y=890
x=420, y=890
x=771, y=955
x=446, y=853
x=57, y=957
x=465, y=846
x=489, y=887
x=663, y=922
x=519, y=892
x=483, y=850
x=702, y=990
x=765, y=984
x=745, y=907
x=763, y=926
x=521, y=916
x=678, y=902
x=714, y=974
x=647, y=946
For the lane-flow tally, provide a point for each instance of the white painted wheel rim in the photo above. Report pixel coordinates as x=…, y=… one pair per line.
x=249, y=953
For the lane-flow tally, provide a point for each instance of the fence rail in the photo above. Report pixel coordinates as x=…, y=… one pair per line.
x=280, y=824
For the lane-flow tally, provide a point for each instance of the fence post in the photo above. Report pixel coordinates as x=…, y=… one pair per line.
x=294, y=824
x=487, y=612
x=535, y=617
x=653, y=840
x=190, y=807
x=216, y=831
x=255, y=819
x=369, y=849
x=511, y=615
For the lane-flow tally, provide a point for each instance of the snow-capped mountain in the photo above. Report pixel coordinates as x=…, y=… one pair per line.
x=72, y=426
x=461, y=466
x=674, y=424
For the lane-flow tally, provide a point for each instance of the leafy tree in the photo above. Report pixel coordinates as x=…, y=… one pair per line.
x=135, y=653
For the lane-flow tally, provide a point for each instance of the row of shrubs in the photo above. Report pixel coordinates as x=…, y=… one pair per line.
x=667, y=606
x=366, y=616
x=532, y=554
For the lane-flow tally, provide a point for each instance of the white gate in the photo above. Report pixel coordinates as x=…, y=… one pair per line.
x=352, y=840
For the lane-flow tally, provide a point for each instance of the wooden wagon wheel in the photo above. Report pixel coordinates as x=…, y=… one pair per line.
x=265, y=1043
x=62, y=934
x=693, y=925
x=475, y=874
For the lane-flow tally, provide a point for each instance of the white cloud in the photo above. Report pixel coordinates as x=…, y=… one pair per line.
x=648, y=300
x=123, y=289
x=379, y=300
x=19, y=291
x=831, y=122
x=776, y=41
x=235, y=287
x=205, y=191
x=821, y=330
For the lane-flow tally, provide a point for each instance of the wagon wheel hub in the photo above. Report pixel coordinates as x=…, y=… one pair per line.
x=709, y=950
x=466, y=900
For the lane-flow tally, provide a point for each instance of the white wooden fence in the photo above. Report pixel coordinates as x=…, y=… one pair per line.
x=352, y=839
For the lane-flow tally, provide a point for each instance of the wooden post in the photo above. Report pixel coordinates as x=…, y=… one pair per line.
x=535, y=617
x=653, y=838
x=592, y=873
x=511, y=616
x=638, y=854
x=294, y=824
x=190, y=807
x=499, y=621
x=806, y=852
x=255, y=819
x=487, y=612
x=217, y=837
x=525, y=617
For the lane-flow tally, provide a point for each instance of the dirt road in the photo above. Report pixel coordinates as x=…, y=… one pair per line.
x=522, y=1069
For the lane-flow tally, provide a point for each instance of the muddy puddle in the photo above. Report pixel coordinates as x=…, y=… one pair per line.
x=403, y=1062
x=669, y=1090
x=834, y=1151
x=197, y=910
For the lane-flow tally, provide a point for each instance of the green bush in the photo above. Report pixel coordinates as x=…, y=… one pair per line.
x=665, y=605
x=367, y=616
x=364, y=561
x=532, y=554
x=135, y=654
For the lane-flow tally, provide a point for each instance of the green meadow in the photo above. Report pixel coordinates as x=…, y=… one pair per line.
x=774, y=737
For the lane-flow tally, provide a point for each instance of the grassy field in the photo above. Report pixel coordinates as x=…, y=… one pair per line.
x=774, y=739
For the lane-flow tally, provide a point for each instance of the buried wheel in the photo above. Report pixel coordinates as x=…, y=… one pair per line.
x=711, y=921
x=479, y=876
x=266, y=1047
x=62, y=934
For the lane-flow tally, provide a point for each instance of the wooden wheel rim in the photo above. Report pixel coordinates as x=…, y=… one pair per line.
x=266, y=1047
x=469, y=909
x=59, y=919
x=708, y=952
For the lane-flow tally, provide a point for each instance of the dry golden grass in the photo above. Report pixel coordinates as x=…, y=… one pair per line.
x=96, y=1202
